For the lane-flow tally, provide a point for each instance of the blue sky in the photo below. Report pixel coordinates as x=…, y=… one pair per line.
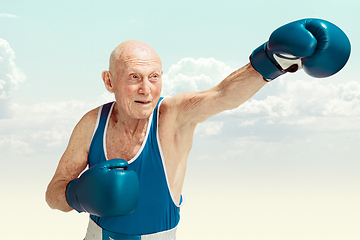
x=282, y=166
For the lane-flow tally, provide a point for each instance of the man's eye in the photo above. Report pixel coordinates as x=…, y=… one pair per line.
x=134, y=76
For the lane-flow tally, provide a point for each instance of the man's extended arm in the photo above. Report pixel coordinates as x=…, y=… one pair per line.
x=237, y=88
x=317, y=46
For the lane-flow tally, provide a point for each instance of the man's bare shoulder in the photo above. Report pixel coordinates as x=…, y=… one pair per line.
x=173, y=115
x=167, y=104
x=88, y=120
x=188, y=107
x=169, y=108
x=179, y=102
x=90, y=117
x=84, y=129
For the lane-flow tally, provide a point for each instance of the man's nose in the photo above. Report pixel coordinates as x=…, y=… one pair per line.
x=145, y=86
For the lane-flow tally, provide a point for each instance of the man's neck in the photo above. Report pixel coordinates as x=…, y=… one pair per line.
x=128, y=125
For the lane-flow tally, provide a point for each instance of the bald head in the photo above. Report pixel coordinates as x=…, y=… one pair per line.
x=132, y=50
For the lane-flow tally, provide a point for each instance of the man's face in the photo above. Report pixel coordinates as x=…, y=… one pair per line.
x=137, y=83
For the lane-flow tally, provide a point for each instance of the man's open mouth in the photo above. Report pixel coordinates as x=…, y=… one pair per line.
x=143, y=102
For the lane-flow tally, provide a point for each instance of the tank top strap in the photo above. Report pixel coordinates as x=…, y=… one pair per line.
x=96, y=150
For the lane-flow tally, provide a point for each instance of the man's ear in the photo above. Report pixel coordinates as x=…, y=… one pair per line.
x=107, y=78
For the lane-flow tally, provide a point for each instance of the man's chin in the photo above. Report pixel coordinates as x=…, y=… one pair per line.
x=145, y=114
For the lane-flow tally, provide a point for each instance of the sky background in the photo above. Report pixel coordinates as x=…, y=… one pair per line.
x=284, y=165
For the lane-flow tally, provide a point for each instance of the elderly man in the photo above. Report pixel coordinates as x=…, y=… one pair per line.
x=154, y=136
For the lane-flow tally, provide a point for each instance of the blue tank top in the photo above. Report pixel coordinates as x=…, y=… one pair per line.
x=156, y=210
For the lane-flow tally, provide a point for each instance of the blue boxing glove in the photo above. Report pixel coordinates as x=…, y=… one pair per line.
x=317, y=46
x=107, y=189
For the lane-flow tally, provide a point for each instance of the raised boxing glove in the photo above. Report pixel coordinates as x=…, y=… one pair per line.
x=107, y=189
x=317, y=46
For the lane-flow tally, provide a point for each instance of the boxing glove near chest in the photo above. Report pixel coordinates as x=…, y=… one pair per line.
x=107, y=189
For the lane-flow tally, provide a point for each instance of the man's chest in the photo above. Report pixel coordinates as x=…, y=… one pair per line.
x=120, y=145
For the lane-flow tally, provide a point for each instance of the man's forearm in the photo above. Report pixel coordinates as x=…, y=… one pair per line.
x=240, y=86
x=55, y=196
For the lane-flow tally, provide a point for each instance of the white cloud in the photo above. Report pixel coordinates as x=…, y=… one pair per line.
x=307, y=103
x=16, y=144
x=209, y=128
x=194, y=75
x=43, y=127
x=40, y=128
x=298, y=120
x=11, y=76
x=7, y=15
